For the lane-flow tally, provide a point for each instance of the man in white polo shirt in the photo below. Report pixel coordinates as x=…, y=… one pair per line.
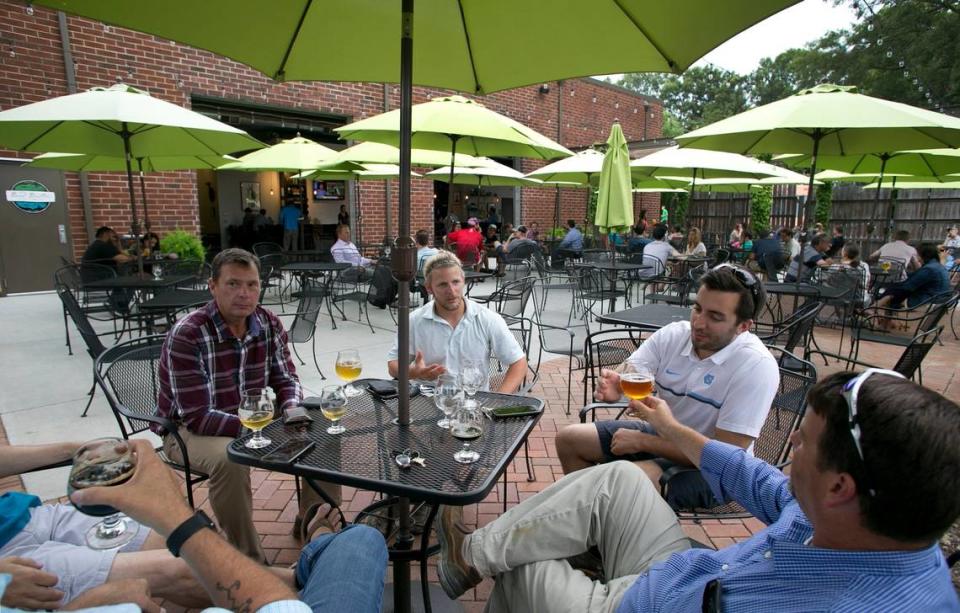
x=715, y=374
x=450, y=330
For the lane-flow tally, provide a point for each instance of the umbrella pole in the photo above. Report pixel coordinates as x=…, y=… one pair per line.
x=403, y=271
x=143, y=196
x=876, y=198
x=359, y=216
x=894, y=192
x=453, y=154
x=134, y=223
x=811, y=195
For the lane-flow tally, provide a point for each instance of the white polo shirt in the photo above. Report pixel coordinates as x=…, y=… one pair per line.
x=731, y=390
x=481, y=333
x=661, y=250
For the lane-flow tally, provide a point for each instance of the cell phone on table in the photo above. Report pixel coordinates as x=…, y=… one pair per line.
x=289, y=451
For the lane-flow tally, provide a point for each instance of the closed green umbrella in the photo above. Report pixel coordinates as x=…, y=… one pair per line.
x=614, y=198
x=80, y=162
x=121, y=122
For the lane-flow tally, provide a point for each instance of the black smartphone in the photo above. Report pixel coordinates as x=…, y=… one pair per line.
x=296, y=415
x=289, y=452
x=711, y=597
x=520, y=410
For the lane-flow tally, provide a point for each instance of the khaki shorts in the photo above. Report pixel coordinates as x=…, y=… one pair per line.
x=54, y=537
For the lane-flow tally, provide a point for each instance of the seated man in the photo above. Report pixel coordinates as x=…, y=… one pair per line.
x=899, y=249
x=854, y=528
x=813, y=258
x=921, y=285
x=639, y=240
x=450, y=330
x=570, y=247
x=43, y=546
x=518, y=247
x=105, y=251
x=658, y=248
x=716, y=375
x=208, y=360
x=336, y=571
x=345, y=252
x=424, y=250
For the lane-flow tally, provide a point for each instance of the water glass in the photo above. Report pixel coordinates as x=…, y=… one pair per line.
x=447, y=396
x=472, y=377
x=467, y=426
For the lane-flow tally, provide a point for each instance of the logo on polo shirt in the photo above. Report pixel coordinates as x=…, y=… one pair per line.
x=708, y=379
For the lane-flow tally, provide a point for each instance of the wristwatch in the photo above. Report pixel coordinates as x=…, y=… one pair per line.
x=184, y=531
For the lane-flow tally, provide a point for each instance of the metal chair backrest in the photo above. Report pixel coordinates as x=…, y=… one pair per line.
x=608, y=349
x=937, y=307
x=383, y=289
x=266, y=248
x=304, y=324
x=94, y=346
x=722, y=255
x=913, y=354
x=798, y=327
x=657, y=269
x=90, y=271
x=560, y=316
x=522, y=330
x=512, y=298
x=128, y=375
x=847, y=280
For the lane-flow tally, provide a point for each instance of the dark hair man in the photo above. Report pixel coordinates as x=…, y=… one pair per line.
x=570, y=247
x=901, y=251
x=716, y=375
x=872, y=486
x=209, y=359
x=813, y=258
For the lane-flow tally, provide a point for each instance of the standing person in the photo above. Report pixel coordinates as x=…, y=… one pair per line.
x=716, y=375
x=570, y=247
x=642, y=223
x=492, y=217
x=209, y=359
x=813, y=258
x=836, y=242
x=261, y=223
x=290, y=220
x=469, y=242
x=853, y=528
x=899, y=249
x=695, y=244
x=451, y=329
x=343, y=217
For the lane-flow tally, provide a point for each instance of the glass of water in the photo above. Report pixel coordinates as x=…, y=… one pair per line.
x=466, y=426
x=472, y=377
x=447, y=396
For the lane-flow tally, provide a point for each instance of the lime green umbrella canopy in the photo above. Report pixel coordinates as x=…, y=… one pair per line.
x=846, y=177
x=924, y=162
x=744, y=185
x=93, y=122
x=370, y=172
x=476, y=46
x=291, y=155
x=455, y=123
x=491, y=174
x=915, y=183
x=380, y=153
x=699, y=164
x=79, y=162
x=614, y=198
x=582, y=168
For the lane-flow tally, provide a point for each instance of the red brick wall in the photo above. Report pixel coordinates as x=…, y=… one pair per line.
x=31, y=69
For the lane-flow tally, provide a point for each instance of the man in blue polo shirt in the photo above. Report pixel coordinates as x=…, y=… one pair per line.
x=855, y=528
x=290, y=216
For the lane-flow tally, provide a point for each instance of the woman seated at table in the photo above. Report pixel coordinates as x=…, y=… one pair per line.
x=695, y=244
x=921, y=285
x=851, y=257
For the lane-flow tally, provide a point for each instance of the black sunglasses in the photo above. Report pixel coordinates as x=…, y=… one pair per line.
x=746, y=278
x=851, y=390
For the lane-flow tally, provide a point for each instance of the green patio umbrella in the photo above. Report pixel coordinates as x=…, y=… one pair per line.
x=922, y=162
x=581, y=169
x=379, y=153
x=290, y=155
x=80, y=162
x=121, y=122
x=914, y=182
x=846, y=177
x=490, y=175
x=614, y=198
x=828, y=120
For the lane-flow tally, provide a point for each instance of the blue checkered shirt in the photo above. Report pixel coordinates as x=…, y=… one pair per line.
x=775, y=570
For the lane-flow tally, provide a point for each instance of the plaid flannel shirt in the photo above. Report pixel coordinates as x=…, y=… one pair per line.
x=204, y=367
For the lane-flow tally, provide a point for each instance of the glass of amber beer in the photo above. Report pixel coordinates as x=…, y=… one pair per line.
x=636, y=382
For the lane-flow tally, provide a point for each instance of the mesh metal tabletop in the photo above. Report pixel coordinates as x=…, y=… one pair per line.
x=805, y=289
x=363, y=456
x=137, y=282
x=652, y=316
x=176, y=299
x=314, y=266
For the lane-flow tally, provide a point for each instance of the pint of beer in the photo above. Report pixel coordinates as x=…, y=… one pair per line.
x=636, y=382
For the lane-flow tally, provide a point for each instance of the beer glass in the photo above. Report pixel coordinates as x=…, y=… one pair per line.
x=104, y=462
x=348, y=368
x=636, y=382
x=466, y=426
x=333, y=405
x=255, y=412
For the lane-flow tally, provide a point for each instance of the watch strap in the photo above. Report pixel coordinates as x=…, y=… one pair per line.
x=188, y=528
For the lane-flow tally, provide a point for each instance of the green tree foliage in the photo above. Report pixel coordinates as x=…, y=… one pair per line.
x=678, y=214
x=824, y=203
x=761, y=205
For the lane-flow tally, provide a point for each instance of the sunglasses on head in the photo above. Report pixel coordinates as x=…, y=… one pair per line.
x=851, y=390
x=746, y=278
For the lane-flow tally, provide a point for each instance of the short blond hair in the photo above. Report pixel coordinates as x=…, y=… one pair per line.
x=443, y=259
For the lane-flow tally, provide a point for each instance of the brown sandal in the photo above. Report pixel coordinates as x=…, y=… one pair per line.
x=319, y=518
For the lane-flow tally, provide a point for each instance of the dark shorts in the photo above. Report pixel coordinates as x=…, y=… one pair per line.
x=687, y=490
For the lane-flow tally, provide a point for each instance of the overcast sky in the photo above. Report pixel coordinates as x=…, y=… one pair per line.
x=792, y=27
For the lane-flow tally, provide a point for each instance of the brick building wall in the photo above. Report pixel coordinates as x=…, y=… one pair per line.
x=32, y=69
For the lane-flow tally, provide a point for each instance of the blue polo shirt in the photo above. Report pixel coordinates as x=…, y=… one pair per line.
x=15, y=514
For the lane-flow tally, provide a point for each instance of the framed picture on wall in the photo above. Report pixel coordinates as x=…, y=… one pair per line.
x=249, y=195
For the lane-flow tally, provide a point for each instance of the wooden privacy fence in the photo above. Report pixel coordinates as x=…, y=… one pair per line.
x=926, y=214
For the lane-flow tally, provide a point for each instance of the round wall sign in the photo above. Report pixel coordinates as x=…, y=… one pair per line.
x=30, y=196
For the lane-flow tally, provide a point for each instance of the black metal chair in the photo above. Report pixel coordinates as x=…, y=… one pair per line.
x=847, y=286
x=607, y=349
x=909, y=362
x=127, y=374
x=562, y=325
x=266, y=248
x=794, y=332
x=94, y=305
x=311, y=298
x=350, y=285
x=772, y=445
x=511, y=299
x=91, y=339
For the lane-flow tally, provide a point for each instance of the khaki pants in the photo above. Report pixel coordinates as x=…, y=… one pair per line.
x=614, y=507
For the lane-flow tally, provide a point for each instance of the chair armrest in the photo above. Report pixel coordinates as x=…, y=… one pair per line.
x=163, y=422
x=591, y=409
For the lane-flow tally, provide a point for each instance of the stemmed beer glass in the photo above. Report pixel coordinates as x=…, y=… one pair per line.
x=104, y=462
x=255, y=412
x=348, y=368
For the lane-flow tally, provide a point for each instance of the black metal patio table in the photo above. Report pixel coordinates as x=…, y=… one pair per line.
x=613, y=270
x=137, y=282
x=364, y=455
x=647, y=316
x=307, y=268
x=472, y=277
x=169, y=302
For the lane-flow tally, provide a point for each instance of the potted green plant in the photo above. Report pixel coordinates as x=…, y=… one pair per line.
x=184, y=244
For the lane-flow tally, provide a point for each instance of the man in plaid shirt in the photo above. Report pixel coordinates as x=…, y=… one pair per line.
x=210, y=357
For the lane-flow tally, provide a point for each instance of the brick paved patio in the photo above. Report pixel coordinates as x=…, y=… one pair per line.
x=275, y=504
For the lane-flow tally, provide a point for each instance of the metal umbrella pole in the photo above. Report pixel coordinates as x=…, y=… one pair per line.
x=134, y=223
